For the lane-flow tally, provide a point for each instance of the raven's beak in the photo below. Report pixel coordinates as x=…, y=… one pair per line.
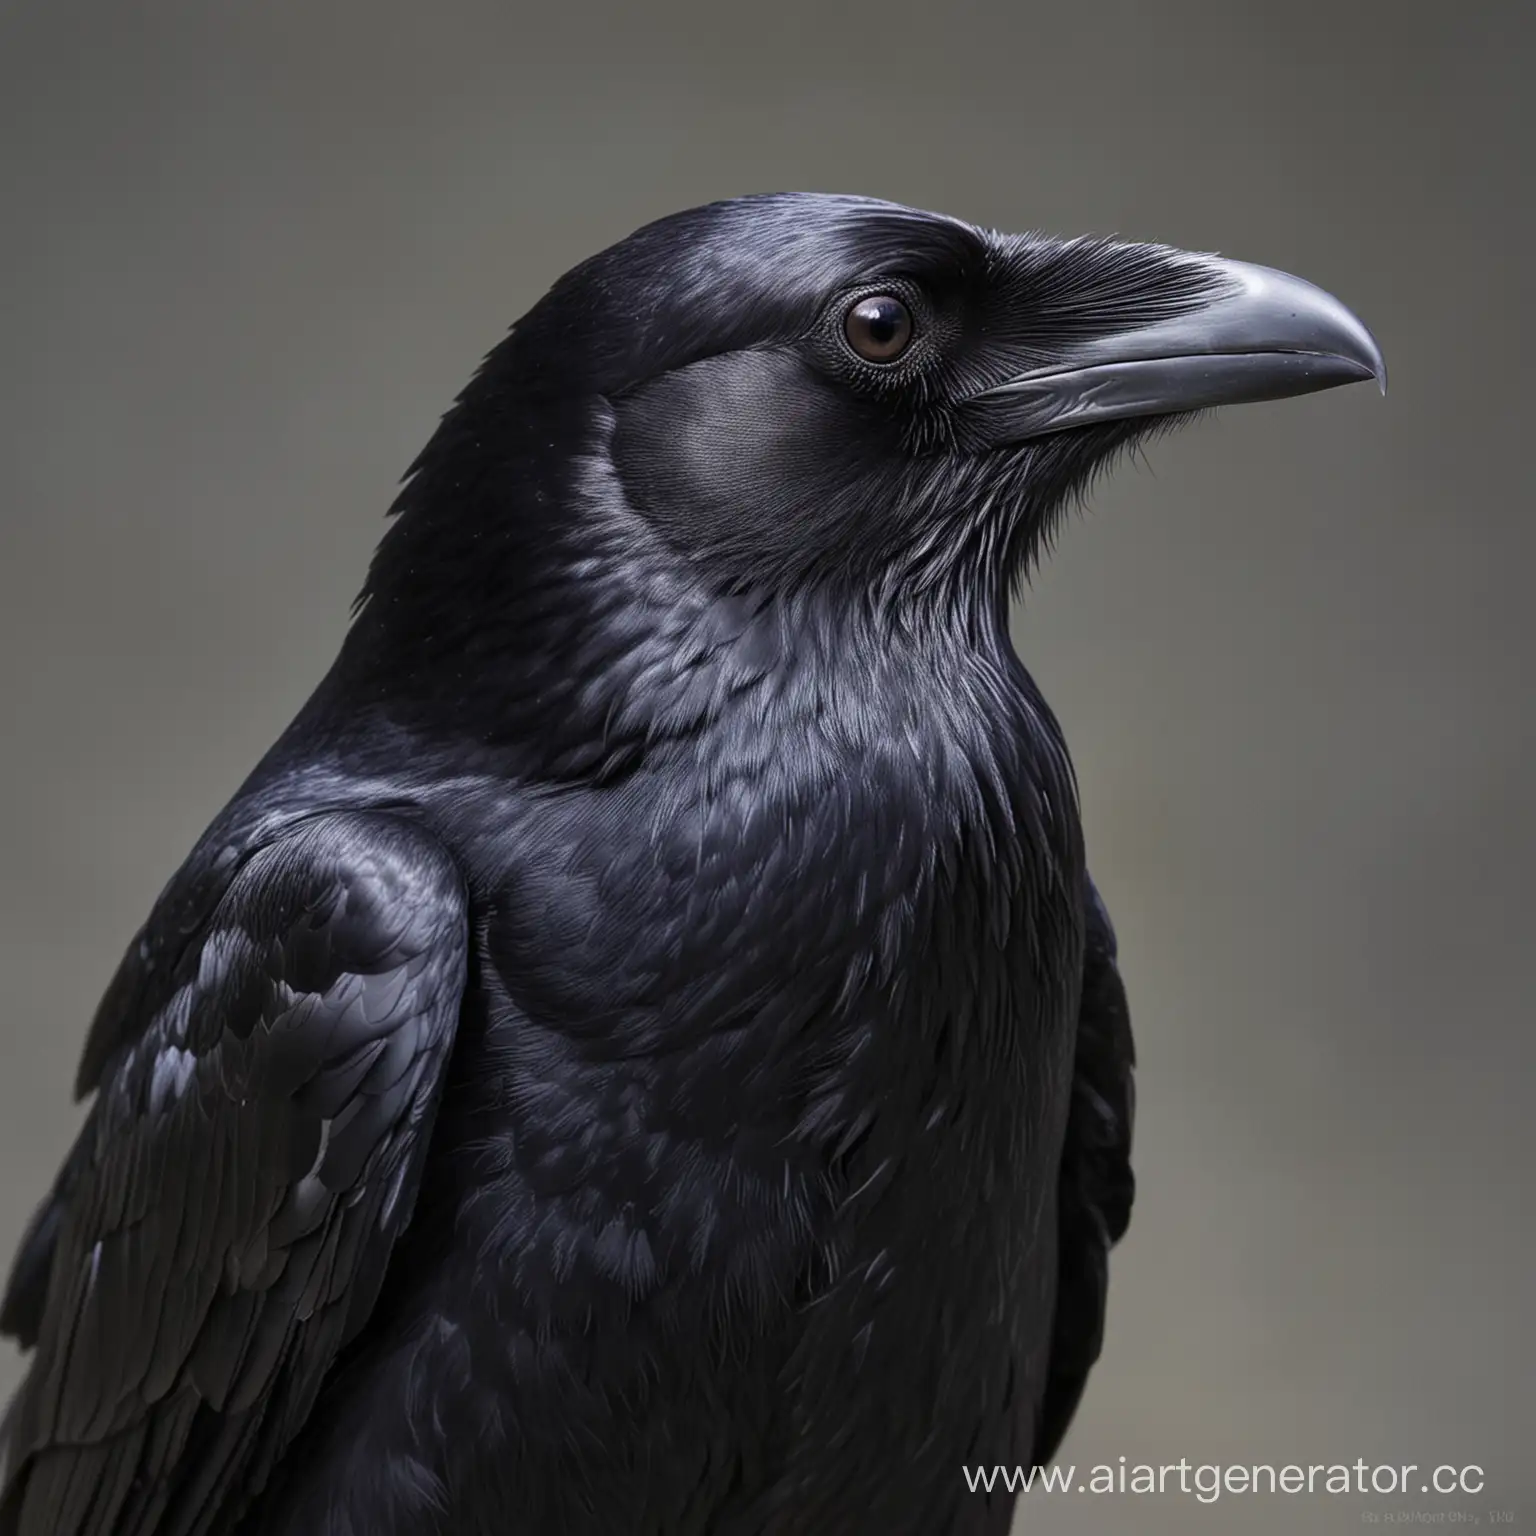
x=1262, y=335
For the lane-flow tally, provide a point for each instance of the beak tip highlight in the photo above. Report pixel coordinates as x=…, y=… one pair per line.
x=1280, y=303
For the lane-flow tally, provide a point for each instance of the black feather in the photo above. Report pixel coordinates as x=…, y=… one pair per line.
x=641, y=1052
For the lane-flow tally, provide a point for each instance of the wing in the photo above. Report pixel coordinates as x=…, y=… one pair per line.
x=1097, y=1186
x=222, y=1227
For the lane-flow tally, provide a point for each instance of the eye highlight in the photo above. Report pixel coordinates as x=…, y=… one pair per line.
x=879, y=328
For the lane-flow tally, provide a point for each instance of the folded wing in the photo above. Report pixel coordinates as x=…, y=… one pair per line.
x=224, y=1223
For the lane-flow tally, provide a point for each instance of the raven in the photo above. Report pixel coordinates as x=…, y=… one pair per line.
x=643, y=1052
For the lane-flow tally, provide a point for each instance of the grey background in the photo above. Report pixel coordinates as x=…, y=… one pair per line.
x=246, y=260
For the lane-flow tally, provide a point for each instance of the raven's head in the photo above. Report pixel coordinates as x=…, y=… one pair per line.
x=802, y=391
x=813, y=385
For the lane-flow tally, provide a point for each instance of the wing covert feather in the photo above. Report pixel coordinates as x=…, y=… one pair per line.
x=224, y=1224
x=1096, y=1184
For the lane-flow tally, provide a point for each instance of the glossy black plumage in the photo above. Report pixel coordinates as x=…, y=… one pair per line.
x=224, y=1223
x=679, y=877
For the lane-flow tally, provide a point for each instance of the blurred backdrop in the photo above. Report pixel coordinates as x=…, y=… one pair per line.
x=250, y=253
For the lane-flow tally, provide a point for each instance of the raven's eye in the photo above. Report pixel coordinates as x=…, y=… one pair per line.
x=879, y=328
